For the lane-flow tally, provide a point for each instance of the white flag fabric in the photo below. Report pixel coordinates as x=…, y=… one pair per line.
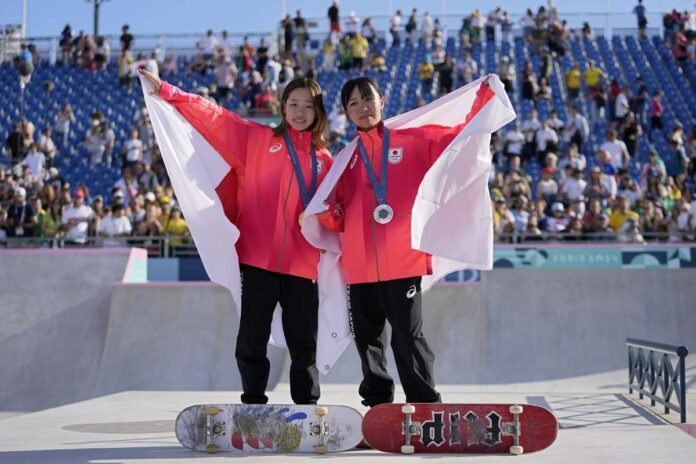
x=195, y=170
x=452, y=218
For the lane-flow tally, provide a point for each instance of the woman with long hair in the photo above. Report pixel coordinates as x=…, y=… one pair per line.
x=274, y=173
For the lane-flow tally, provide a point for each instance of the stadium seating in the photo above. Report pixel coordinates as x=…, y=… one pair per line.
x=624, y=58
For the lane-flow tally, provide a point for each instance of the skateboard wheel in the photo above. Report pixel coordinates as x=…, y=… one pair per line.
x=321, y=411
x=407, y=449
x=516, y=450
x=320, y=449
x=212, y=410
x=408, y=409
x=516, y=409
x=212, y=449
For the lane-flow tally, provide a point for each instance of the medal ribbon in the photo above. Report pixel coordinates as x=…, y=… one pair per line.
x=379, y=187
x=305, y=193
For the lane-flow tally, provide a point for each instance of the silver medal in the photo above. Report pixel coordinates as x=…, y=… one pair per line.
x=383, y=214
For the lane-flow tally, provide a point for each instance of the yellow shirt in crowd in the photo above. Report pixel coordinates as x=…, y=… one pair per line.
x=617, y=219
x=359, y=47
x=592, y=76
x=573, y=79
x=177, y=229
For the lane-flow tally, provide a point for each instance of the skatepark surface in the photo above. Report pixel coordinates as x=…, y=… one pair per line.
x=96, y=370
x=600, y=424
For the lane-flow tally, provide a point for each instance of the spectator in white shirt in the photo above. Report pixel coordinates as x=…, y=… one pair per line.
x=573, y=187
x=546, y=140
x=514, y=140
x=226, y=45
x=208, y=45
x=395, y=28
x=133, y=149
x=621, y=106
x=616, y=148
x=76, y=219
x=36, y=162
x=467, y=68
x=152, y=64
x=113, y=226
x=427, y=28
x=555, y=123
x=47, y=145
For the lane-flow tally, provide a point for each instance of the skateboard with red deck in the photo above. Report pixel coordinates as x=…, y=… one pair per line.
x=459, y=428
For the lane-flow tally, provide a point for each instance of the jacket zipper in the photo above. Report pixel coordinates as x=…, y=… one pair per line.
x=374, y=205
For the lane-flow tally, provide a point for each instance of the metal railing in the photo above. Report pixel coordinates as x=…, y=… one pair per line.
x=651, y=373
x=173, y=247
x=603, y=23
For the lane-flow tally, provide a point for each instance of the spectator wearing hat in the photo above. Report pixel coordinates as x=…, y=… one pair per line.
x=97, y=205
x=114, y=226
x=559, y=220
x=547, y=187
x=165, y=205
x=21, y=216
x=77, y=219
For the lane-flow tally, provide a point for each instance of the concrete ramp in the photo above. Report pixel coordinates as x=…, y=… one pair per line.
x=54, y=307
x=177, y=336
x=536, y=325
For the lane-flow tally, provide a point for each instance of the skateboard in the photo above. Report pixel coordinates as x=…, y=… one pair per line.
x=274, y=428
x=459, y=428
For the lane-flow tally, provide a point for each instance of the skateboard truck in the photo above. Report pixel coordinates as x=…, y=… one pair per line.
x=320, y=429
x=514, y=428
x=410, y=429
x=212, y=429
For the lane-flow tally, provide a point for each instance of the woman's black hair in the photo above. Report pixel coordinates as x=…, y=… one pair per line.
x=364, y=86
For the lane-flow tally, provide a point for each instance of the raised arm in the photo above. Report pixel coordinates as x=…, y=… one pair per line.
x=225, y=130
